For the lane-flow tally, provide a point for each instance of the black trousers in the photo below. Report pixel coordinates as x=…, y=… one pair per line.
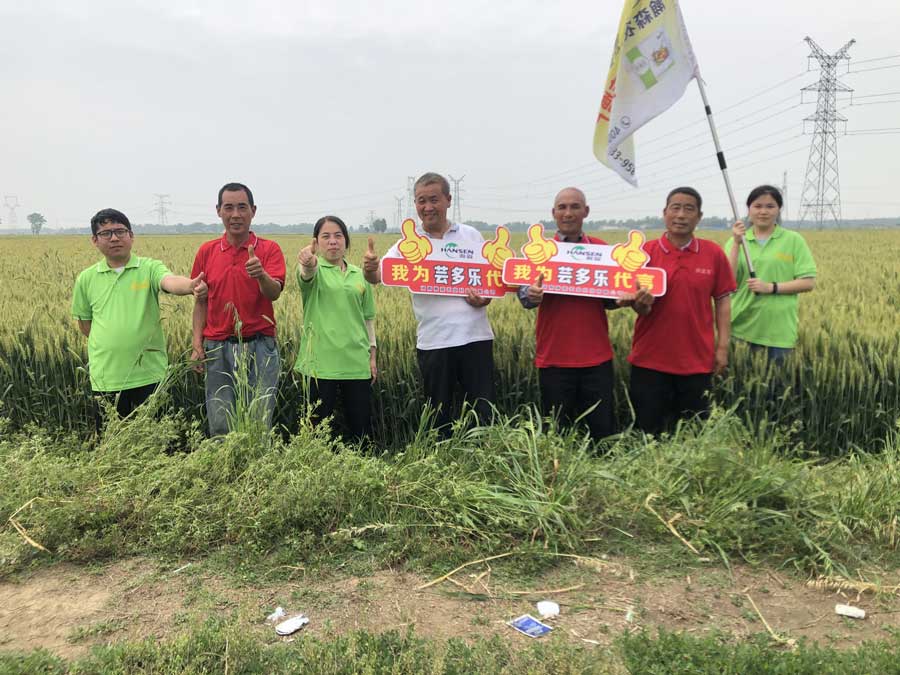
x=126, y=401
x=470, y=366
x=568, y=392
x=661, y=399
x=357, y=396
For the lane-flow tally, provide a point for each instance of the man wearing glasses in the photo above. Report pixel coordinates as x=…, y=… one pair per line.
x=234, y=326
x=116, y=304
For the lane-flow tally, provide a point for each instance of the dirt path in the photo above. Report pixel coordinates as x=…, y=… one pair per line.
x=66, y=609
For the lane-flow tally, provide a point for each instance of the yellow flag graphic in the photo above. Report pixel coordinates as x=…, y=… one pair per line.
x=652, y=64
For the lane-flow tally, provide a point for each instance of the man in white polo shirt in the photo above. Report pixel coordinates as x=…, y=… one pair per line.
x=454, y=341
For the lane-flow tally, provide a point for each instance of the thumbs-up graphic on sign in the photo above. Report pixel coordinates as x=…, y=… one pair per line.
x=413, y=246
x=630, y=255
x=497, y=251
x=539, y=250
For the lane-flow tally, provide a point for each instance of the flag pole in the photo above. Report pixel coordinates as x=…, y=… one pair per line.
x=724, y=167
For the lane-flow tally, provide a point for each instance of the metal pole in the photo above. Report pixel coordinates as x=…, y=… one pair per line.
x=724, y=167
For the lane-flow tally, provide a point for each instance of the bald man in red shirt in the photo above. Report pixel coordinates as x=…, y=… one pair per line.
x=573, y=353
x=681, y=339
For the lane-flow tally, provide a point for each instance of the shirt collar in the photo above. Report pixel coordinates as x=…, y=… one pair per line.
x=325, y=263
x=252, y=240
x=776, y=232
x=454, y=227
x=132, y=262
x=693, y=245
x=582, y=239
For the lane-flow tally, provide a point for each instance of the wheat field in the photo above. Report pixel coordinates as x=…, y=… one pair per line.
x=841, y=391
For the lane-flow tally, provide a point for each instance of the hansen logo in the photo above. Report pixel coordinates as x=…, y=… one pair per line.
x=584, y=254
x=454, y=251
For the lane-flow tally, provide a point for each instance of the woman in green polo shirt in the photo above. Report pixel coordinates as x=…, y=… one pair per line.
x=764, y=308
x=337, y=347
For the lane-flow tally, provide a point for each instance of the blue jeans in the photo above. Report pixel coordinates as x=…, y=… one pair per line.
x=225, y=382
x=774, y=354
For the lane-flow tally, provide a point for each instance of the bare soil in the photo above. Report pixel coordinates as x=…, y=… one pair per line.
x=67, y=609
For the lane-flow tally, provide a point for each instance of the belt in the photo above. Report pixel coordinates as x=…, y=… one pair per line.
x=233, y=339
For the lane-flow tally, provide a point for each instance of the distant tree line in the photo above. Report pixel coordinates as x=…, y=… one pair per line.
x=379, y=225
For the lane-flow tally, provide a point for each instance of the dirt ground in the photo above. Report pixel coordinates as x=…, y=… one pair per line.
x=67, y=609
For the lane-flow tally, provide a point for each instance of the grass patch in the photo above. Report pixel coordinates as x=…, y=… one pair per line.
x=218, y=647
x=520, y=484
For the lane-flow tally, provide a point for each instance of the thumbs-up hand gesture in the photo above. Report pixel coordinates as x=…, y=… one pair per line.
x=536, y=290
x=630, y=255
x=198, y=286
x=497, y=251
x=254, y=266
x=370, y=258
x=539, y=250
x=413, y=246
x=308, y=256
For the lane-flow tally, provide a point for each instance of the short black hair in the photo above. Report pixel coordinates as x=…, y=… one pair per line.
x=109, y=217
x=770, y=190
x=432, y=178
x=686, y=191
x=234, y=187
x=331, y=219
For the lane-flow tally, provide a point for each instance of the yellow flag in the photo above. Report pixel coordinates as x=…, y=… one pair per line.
x=652, y=64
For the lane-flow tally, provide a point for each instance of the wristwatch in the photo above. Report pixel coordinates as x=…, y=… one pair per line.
x=774, y=288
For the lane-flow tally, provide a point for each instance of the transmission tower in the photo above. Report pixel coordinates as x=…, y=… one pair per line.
x=11, y=202
x=399, y=212
x=821, y=195
x=457, y=217
x=410, y=196
x=162, y=206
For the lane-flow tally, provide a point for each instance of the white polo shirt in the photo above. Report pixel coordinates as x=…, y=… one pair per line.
x=443, y=320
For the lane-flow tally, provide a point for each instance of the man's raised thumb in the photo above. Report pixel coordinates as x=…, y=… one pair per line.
x=371, y=246
x=314, y=246
x=539, y=282
x=250, y=253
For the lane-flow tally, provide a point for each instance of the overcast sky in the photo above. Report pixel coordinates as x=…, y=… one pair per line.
x=327, y=107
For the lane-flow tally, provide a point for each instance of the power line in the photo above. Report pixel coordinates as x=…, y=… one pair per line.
x=869, y=70
x=666, y=136
x=644, y=144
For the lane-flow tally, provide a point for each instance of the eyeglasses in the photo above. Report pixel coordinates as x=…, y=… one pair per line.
x=120, y=233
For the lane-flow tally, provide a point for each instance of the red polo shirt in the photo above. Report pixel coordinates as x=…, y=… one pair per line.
x=678, y=335
x=232, y=290
x=572, y=331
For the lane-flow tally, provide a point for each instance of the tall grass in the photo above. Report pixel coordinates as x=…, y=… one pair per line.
x=518, y=482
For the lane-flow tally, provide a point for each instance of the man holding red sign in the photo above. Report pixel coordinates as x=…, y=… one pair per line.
x=675, y=350
x=573, y=353
x=454, y=341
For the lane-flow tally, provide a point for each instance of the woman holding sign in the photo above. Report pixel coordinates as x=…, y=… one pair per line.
x=764, y=309
x=337, y=347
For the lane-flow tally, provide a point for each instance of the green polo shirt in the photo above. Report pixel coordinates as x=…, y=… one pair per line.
x=126, y=347
x=336, y=305
x=770, y=320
